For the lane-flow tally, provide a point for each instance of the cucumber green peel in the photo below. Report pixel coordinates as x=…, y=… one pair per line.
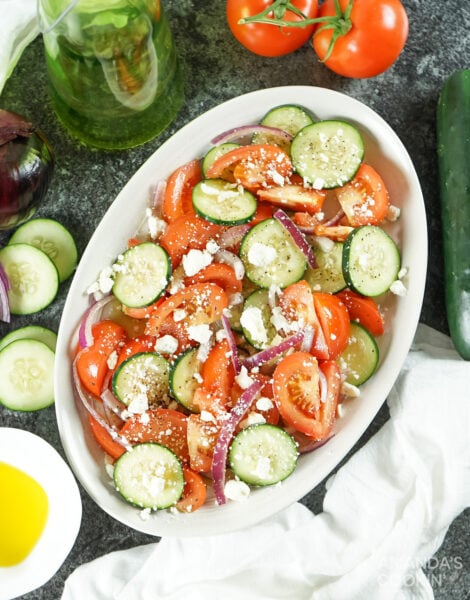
x=453, y=136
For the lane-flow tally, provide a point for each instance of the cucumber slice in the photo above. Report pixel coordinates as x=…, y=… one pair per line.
x=256, y=320
x=328, y=276
x=215, y=153
x=34, y=278
x=263, y=454
x=270, y=255
x=219, y=201
x=54, y=239
x=360, y=358
x=27, y=375
x=149, y=476
x=371, y=260
x=288, y=117
x=143, y=377
x=183, y=382
x=32, y=332
x=327, y=154
x=142, y=275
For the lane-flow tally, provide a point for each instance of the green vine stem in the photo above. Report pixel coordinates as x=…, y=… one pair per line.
x=340, y=23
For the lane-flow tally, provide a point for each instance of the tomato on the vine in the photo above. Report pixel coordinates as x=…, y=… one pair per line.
x=271, y=40
x=363, y=37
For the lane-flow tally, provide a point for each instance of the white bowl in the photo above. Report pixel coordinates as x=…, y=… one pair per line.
x=387, y=154
x=38, y=459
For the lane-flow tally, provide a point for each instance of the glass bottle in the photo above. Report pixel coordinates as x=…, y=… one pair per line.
x=114, y=76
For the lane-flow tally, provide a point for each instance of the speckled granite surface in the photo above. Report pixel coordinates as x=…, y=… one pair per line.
x=217, y=69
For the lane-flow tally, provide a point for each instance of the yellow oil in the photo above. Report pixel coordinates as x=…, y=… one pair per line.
x=24, y=507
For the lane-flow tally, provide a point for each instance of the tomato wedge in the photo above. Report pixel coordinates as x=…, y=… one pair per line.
x=177, y=200
x=202, y=437
x=218, y=372
x=334, y=320
x=364, y=310
x=365, y=199
x=297, y=393
x=202, y=302
x=253, y=166
x=92, y=362
x=294, y=197
x=221, y=274
x=164, y=426
x=141, y=343
x=104, y=439
x=185, y=233
x=194, y=492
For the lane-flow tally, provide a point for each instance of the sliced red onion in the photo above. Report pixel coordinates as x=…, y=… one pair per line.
x=158, y=196
x=256, y=360
x=4, y=300
x=231, y=237
x=231, y=259
x=91, y=316
x=110, y=401
x=241, y=133
x=232, y=344
x=225, y=435
x=88, y=402
x=297, y=236
x=335, y=219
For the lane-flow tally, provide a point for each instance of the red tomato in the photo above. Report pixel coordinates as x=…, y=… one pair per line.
x=219, y=273
x=334, y=320
x=296, y=382
x=218, y=372
x=178, y=199
x=253, y=166
x=202, y=437
x=92, y=362
x=364, y=310
x=164, y=426
x=377, y=34
x=142, y=343
x=294, y=197
x=104, y=439
x=365, y=199
x=194, y=492
x=266, y=39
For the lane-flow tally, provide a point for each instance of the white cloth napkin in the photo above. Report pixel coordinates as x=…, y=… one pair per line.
x=385, y=513
x=18, y=27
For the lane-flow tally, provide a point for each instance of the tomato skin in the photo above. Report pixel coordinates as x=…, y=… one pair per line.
x=104, y=439
x=177, y=200
x=364, y=310
x=194, y=492
x=296, y=384
x=269, y=40
x=334, y=320
x=378, y=34
x=219, y=273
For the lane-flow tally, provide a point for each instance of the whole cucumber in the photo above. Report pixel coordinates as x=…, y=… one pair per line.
x=453, y=137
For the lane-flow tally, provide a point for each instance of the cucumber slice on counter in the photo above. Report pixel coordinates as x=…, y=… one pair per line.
x=143, y=275
x=270, y=255
x=327, y=154
x=371, y=260
x=54, y=239
x=263, y=455
x=32, y=332
x=219, y=201
x=33, y=277
x=144, y=373
x=360, y=358
x=26, y=375
x=149, y=476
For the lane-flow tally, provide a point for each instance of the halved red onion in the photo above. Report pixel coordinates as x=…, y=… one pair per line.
x=4, y=300
x=88, y=402
x=225, y=435
x=239, y=134
x=91, y=316
x=232, y=236
x=258, y=359
x=297, y=236
x=231, y=259
x=231, y=342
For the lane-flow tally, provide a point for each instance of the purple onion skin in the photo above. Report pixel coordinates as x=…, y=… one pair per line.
x=26, y=168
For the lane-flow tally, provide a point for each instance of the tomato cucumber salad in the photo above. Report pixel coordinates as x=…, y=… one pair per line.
x=225, y=339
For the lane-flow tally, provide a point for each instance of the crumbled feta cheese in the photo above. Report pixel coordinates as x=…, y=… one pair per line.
x=200, y=333
x=263, y=467
x=236, y=490
x=349, y=390
x=253, y=418
x=393, y=213
x=324, y=243
x=207, y=416
x=145, y=514
x=318, y=184
x=167, y=344
x=243, y=379
x=195, y=260
x=112, y=360
x=139, y=404
x=179, y=314
x=264, y=403
x=402, y=272
x=398, y=288
x=155, y=225
x=212, y=246
x=251, y=319
x=261, y=255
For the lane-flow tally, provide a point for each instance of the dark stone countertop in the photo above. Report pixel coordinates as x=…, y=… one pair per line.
x=217, y=69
